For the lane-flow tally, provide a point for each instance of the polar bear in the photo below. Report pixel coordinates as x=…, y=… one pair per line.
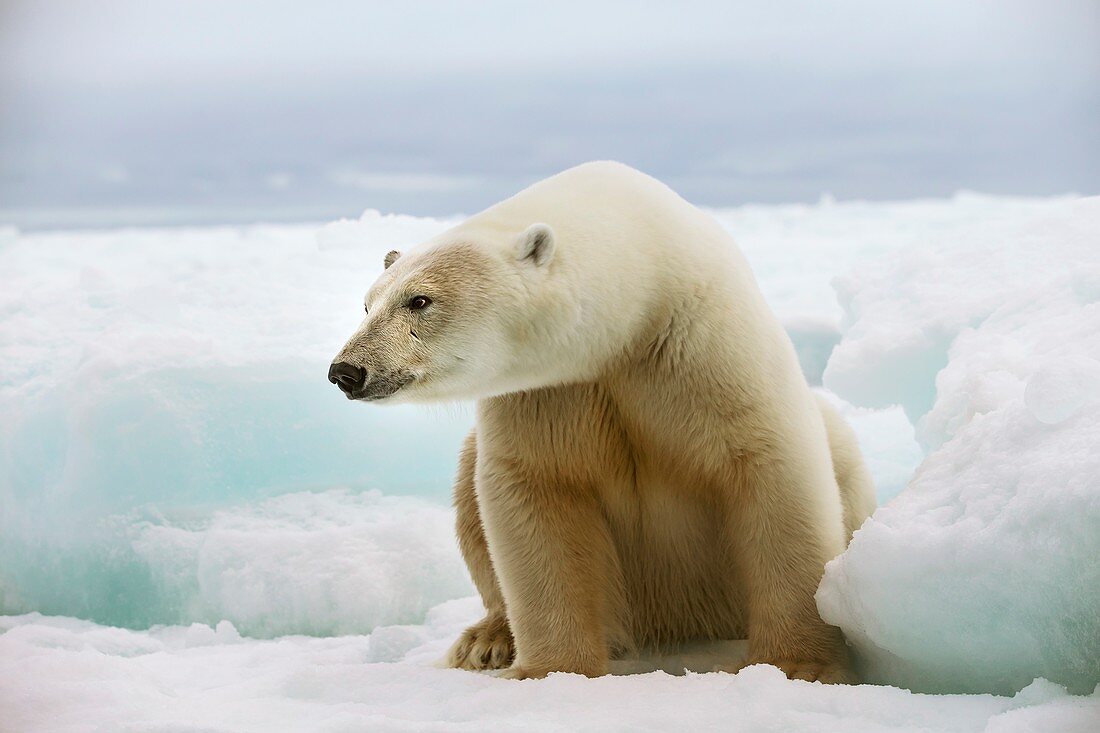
x=649, y=465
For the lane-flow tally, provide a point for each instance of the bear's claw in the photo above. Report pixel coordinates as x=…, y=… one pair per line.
x=485, y=645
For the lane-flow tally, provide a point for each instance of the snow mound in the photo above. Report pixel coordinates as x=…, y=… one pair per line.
x=170, y=373
x=332, y=562
x=983, y=573
x=1062, y=387
x=315, y=563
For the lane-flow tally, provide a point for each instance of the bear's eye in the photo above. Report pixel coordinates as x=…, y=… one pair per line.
x=419, y=302
x=366, y=309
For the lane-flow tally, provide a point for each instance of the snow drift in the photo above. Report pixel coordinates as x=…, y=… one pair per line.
x=984, y=573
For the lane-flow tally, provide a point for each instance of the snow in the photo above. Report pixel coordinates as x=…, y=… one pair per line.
x=1062, y=387
x=200, y=679
x=156, y=376
x=160, y=375
x=200, y=533
x=985, y=571
x=323, y=563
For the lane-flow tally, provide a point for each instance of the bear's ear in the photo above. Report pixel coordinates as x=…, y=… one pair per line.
x=391, y=257
x=536, y=244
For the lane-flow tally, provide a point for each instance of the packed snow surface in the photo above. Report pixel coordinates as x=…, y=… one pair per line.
x=251, y=552
x=61, y=675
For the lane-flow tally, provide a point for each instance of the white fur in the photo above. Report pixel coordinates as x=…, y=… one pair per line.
x=639, y=404
x=622, y=244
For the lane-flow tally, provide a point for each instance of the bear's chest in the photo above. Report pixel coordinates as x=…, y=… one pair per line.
x=636, y=447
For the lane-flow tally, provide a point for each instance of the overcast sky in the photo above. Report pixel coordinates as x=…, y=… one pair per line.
x=128, y=112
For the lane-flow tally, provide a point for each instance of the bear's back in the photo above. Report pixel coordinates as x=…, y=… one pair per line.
x=609, y=217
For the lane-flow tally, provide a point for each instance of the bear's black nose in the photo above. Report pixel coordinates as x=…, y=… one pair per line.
x=347, y=377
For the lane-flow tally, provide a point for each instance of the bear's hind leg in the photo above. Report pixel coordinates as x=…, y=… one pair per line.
x=488, y=643
x=857, y=492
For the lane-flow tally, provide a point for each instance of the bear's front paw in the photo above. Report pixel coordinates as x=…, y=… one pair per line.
x=591, y=667
x=485, y=645
x=827, y=672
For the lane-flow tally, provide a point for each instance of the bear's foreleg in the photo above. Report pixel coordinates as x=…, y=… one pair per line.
x=488, y=643
x=787, y=526
x=554, y=557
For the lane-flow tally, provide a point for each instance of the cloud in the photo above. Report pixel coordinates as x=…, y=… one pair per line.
x=279, y=181
x=403, y=182
x=432, y=108
x=114, y=174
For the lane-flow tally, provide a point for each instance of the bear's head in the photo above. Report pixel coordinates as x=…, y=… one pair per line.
x=443, y=321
